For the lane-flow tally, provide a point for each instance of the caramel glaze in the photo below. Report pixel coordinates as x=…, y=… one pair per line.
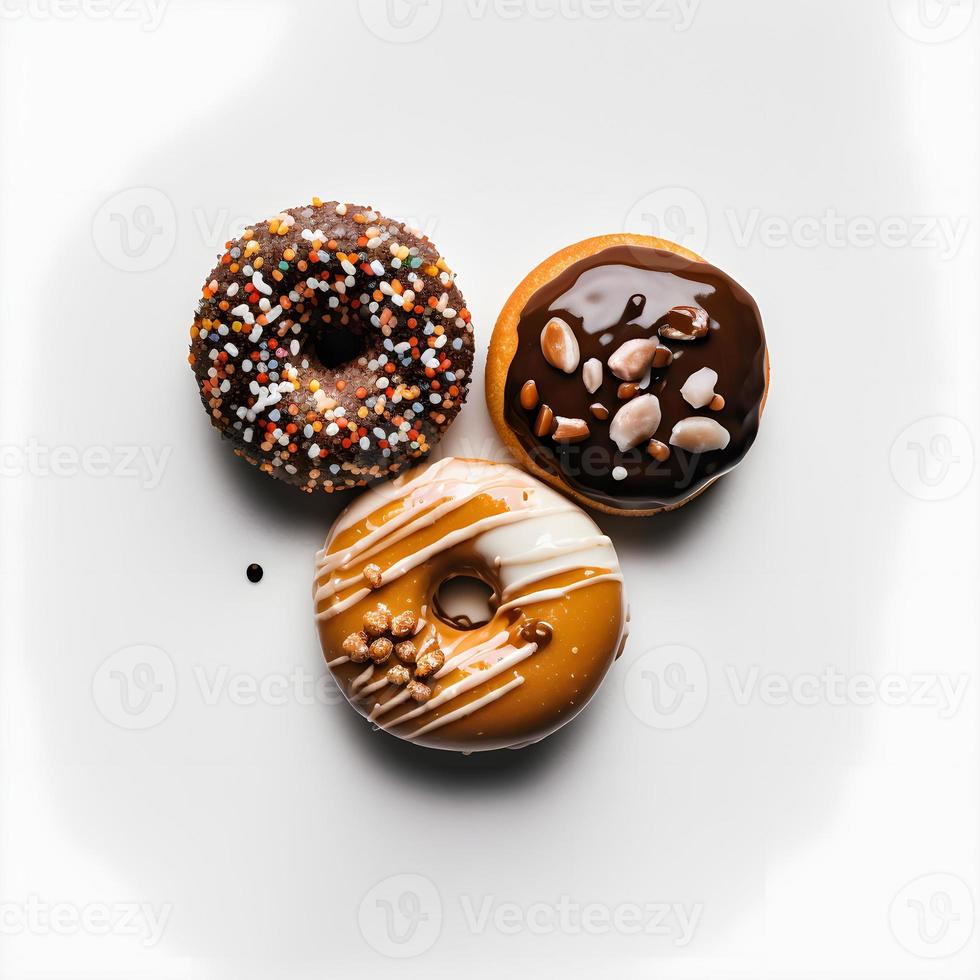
x=530, y=688
x=735, y=347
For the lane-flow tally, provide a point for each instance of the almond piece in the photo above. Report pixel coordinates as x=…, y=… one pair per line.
x=626, y=391
x=699, y=389
x=699, y=435
x=559, y=346
x=632, y=360
x=685, y=323
x=592, y=375
x=544, y=423
x=570, y=430
x=658, y=450
x=529, y=396
x=599, y=411
x=635, y=422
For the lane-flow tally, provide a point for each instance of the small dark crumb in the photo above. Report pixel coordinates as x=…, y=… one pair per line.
x=254, y=573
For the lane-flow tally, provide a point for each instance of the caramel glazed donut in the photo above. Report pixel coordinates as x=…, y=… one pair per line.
x=560, y=617
x=332, y=346
x=628, y=372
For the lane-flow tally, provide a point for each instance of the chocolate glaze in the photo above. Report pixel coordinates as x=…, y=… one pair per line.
x=734, y=347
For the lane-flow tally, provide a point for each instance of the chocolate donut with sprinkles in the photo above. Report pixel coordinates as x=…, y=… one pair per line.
x=332, y=346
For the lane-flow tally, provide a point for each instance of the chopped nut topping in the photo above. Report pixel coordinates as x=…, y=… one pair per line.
x=544, y=423
x=592, y=375
x=559, y=346
x=662, y=357
x=717, y=403
x=599, y=411
x=381, y=649
x=377, y=621
x=428, y=663
x=685, y=323
x=658, y=450
x=699, y=389
x=699, y=435
x=570, y=430
x=398, y=675
x=373, y=575
x=356, y=647
x=536, y=631
x=420, y=692
x=405, y=651
x=635, y=422
x=529, y=395
x=404, y=624
x=626, y=391
x=633, y=359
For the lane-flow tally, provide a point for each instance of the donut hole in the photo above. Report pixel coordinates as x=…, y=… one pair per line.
x=464, y=602
x=340, y=345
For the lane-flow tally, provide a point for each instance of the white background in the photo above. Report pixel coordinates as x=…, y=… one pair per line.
x=806, y=824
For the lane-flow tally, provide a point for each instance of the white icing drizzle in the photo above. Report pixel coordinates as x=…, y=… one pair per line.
x=599, y=296
x=471, y=653
x=552, y=548
x=362, y=678
x=468, y=709
x=545, y=595
x=338, y=661
x=425, y=554
x=466, y=684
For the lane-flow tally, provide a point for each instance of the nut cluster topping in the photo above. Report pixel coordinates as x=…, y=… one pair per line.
x=637, y=418
x=372, y=574
x=384, y=635
x=377, y=621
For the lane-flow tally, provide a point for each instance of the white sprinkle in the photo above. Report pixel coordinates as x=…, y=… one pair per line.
x=619, y=473
x=259, y=283
x=364, y=443
x=232, y=349
x=341, y=209
x=314, y=450
x=240, y=310
x=255, y=334
x=232, y=290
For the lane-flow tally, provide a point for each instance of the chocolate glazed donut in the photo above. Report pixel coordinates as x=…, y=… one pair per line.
x=628, y=372
x=332, y=346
